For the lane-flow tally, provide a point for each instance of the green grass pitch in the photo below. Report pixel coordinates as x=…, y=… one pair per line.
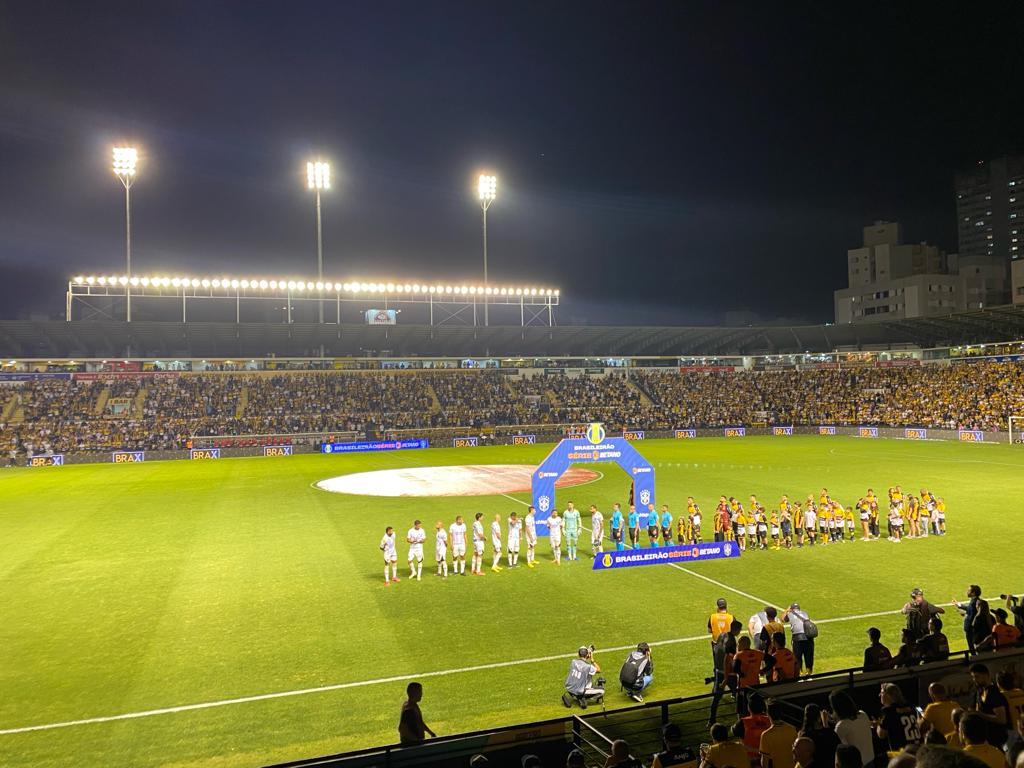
x=135, y=588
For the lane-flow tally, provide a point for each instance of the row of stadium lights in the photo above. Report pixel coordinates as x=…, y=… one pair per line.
x=301, y=285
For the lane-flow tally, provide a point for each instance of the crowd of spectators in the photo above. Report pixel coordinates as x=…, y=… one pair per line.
x=163, y=412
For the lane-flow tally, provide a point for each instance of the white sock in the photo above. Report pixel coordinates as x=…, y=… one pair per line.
x=394, y=571
x=509, y=559
x=515, y=558
x=412, y=570
x=419, y=569
x=496, y=560
x=386, y=573
x=445, y=564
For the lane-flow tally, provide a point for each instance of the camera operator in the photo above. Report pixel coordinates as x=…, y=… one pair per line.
x=579, y=683
x=637, y=672
x=1015, y=608
x=918, y=612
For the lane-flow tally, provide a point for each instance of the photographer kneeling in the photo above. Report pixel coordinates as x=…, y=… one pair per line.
x=637, y=672
x=579, y=685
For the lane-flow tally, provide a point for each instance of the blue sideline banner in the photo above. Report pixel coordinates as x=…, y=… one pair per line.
x=683, y=553
x=277, y=450
x=373, y=445
x=128, y=457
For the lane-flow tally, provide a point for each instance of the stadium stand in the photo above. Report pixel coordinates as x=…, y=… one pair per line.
x=163, y=412
x=43, y=339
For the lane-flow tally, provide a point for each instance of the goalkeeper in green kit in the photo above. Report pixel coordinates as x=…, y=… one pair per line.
x=572, y=521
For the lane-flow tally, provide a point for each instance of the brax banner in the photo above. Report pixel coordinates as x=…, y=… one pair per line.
x=633, y=434
x=782, y=431
x=524, y=439
x=465, y=442
x=277, y=450
x=594, y=448
x=735, y=431
x=128, y=457
x=971, y=436
x=685, y=434
x=683, y=553
x=204, y=453
x=867, y=432
x=826, y=430
x=915, y=433
x=52, y=460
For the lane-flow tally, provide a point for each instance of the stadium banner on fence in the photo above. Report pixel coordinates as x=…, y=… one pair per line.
x=633, y=434
x=685, y=434
x=53, y=460
x=971, y=436
x=465, y=442
x=204, y=453
x=682, y=553
x=381, y=317
x=826, y=430
x=735, y=432
x=915, y=433
x=277, y=450
x=782, y=431
x=128, y=457
x=373, y=445
x=33, y=376
x=867, y=431
x=524, y=439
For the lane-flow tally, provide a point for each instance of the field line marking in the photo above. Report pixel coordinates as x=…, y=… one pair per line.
x=362, y=683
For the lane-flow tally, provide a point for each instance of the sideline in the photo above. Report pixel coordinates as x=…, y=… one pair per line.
x=364, y=683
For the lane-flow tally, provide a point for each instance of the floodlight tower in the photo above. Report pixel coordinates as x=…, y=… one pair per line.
x=125, y=161
x=318, y=177
x=488, y=190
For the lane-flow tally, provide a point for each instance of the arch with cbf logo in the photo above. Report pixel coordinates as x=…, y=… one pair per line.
x=592, y=448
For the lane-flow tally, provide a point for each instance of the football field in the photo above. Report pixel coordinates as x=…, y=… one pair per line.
x=231, y=613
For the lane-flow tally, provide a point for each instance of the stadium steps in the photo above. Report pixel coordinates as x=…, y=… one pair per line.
x=8, y=409
x=435, y=402
x=101, y=401
x=140, y=398
x=645, y=398
x=17, y=416
x=552, y=398
x=243, y=401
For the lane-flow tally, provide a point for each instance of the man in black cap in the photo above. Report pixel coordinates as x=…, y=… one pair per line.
x=918, y=611
x=579, y=684
x=804, y=631
x=674, y=753
x=637, y=672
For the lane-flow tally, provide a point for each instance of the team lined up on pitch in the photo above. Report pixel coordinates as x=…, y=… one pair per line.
x=791, y=524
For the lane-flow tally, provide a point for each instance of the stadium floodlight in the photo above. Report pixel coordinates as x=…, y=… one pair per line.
x=125, y=166
x=318, y=178
x=487, y=191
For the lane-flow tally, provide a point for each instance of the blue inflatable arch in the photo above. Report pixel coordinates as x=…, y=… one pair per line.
x=592, y=448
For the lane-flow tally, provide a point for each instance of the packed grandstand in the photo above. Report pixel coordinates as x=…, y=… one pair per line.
x=164, y=412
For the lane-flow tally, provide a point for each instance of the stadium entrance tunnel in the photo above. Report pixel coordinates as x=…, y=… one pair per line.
x=458, y=480
x=591, y=448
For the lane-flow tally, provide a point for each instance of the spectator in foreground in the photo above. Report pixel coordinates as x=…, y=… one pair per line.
x=906, y=656
x=1003, y=636
x=897, y=726
x=673, y=752
x=938, y=715
x=824, y=738
x=411, y=728
x=619, y=754
x=748, y=729
x=724, y=752
x=974, y=609
x=776, y=746
x=803, y=754
x=933, y=756
x=953, y=737
x=990, y=705
x=876, y=655
x=576, y=759
x=847, y=756
x=853, y=727
x=803, y=642
x=974, y=734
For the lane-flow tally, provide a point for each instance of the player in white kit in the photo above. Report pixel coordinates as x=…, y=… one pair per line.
x=416, y=537
x=441, y=549
x=496, y=542
x=390, y=550
x=478, y=545
x=596, y=529
x=555, y=531
x=457, y=531
x=515, y=526
x=531, y=538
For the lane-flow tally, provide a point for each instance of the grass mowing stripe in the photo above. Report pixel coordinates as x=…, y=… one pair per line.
x=362, y=683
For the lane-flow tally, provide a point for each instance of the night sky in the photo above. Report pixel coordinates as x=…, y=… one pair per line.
x=659, y=162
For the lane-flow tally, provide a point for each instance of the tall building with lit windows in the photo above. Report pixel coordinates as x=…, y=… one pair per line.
x=990, y=225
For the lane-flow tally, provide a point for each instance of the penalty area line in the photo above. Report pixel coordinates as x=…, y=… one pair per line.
x=366, y=683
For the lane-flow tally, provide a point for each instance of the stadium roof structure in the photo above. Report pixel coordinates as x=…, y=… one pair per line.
x=59, y=339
